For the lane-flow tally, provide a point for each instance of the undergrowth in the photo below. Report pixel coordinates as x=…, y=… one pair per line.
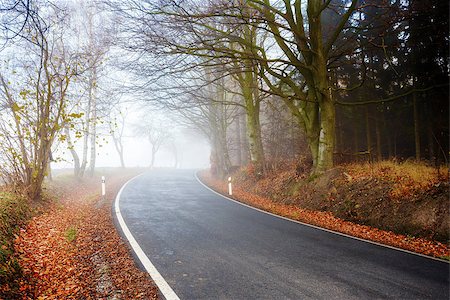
x=408, y=176
x=14, y=212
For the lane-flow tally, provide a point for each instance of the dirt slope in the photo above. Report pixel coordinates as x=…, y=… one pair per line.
x=408, y=198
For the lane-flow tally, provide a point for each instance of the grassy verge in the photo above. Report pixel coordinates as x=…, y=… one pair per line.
x=407, y=178
x=14, y=211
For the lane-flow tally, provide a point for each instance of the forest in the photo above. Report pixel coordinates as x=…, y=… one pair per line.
x=327, y=82
x=337, y=81
x=284, y=92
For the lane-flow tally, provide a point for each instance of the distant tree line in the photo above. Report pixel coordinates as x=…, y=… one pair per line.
x=335, y=81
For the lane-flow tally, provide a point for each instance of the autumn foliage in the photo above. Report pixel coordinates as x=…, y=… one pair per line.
x=72, y=251
x=408, y=178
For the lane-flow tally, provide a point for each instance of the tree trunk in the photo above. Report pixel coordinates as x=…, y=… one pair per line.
x=93, y=155
x=250, y=92
x=152, y=162
x=416, y=126
x=341, y=138
x=293, y=148
x=239, y=141
x=35, y=186
x=325, y=112
x=378, y=139
x=326, y=136
x=175, y=156
x=244, y=140
x=222, y=133
x=122, y=161
x=85, y=141
x=37, y=178
x=355, y=137
x=320, y=134
x=76, y=158
x=431, y=143
x=388, y=136
x=226, y=155
x=49, y=171
x=218, y=164
x=119, y=148
x=248, y=82
x=214, y=162
x=93, y=101
x=254, y=137
x=368, y=135
x=307, y=117
x=216, y=158
x=39, y=167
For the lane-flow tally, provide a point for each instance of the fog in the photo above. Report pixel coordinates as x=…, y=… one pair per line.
x=192, y=149
x=88, y=76
x=194, y=154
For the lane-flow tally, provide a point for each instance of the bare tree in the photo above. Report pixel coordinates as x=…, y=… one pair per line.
x=116, y=123
x=296, y=50
x=297, y=71
x=156, y=132
x=15, y=16
x=34, y=110
x=94, y=42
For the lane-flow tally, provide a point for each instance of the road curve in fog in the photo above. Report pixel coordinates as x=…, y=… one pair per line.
x=207, y=247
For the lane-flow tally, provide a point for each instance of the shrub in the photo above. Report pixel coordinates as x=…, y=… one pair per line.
x=13, y=214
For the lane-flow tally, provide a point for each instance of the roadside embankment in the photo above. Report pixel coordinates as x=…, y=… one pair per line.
x=404, y=205
x=14, y=212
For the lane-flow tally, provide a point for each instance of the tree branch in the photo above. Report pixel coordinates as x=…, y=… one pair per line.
x=393, y=98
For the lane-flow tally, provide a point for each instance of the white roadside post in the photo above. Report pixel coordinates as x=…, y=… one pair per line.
x=230, y=188
x=103, y=187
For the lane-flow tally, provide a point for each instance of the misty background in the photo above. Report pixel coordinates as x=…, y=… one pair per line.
x=220, y=84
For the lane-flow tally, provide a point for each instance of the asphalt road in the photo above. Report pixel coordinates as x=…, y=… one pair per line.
x=207, y=247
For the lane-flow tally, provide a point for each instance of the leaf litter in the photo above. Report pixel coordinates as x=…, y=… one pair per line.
x=73, y=251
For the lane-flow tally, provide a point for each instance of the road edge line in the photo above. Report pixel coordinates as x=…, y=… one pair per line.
x=320, y=228
x=162, y=284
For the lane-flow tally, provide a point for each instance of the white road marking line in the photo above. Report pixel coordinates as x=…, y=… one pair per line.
x=162, y=284
x=320, y=228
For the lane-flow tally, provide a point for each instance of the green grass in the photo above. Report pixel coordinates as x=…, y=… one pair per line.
x=14, y=212
x=71, y=233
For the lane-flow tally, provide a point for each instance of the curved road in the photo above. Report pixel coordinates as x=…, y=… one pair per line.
x=207, y=247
